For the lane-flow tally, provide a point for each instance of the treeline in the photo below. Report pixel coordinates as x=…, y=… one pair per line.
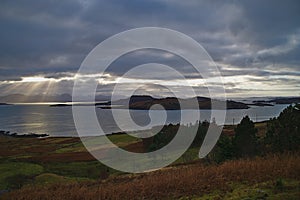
x=282, y=134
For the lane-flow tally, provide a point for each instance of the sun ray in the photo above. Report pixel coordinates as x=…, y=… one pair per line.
x=49, y=89
x=31, y=86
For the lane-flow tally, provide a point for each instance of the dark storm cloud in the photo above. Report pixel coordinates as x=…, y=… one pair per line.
x=260, y=73
x=269, y=22
x=51, y=38
x=59, y=75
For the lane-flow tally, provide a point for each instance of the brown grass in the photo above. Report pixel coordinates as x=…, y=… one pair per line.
x=12, y=147
x=173, y=182
x=65, y=157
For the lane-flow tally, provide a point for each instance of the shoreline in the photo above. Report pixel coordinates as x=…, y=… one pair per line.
x=45, y=135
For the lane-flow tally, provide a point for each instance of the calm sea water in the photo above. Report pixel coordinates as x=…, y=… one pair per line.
x=58, y=121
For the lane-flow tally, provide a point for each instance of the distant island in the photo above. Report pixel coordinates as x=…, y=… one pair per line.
x=255, y=103
x=145, y=102
x=60, y=105
x=5, y=104
x=281, y=100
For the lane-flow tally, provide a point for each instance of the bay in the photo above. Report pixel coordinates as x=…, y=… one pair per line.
x=58, y=121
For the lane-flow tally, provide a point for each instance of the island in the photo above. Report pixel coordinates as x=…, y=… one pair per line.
x=282, y=100
x=5, y=104
x=60, y=105
x=258, y=103
x=145, y=102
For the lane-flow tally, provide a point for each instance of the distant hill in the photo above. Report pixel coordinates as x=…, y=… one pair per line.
x=13, y=98
x=281, y=100
x=21, y=98
x=144, y=102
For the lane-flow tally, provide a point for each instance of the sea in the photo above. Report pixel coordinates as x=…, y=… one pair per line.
x=41, y=118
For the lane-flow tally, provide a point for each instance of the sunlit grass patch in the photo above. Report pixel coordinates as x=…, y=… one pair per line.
x=13, y=170
x=89, y=170
x=49, y=178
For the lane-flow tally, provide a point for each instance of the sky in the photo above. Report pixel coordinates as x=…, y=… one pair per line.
x=254, y=43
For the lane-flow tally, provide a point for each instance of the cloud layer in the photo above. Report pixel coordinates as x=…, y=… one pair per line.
x=256, y=44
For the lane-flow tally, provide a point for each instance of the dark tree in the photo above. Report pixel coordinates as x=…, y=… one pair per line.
x=283, y=133
x=245, y=138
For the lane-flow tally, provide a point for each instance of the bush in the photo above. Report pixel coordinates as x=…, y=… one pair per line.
x=17, y=181
x=224, y=149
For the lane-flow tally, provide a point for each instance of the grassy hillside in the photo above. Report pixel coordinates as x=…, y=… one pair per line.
x=270, y=177
x=61, y=168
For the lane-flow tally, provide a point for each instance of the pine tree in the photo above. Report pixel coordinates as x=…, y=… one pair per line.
x=245, y=140
x=283, y=132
